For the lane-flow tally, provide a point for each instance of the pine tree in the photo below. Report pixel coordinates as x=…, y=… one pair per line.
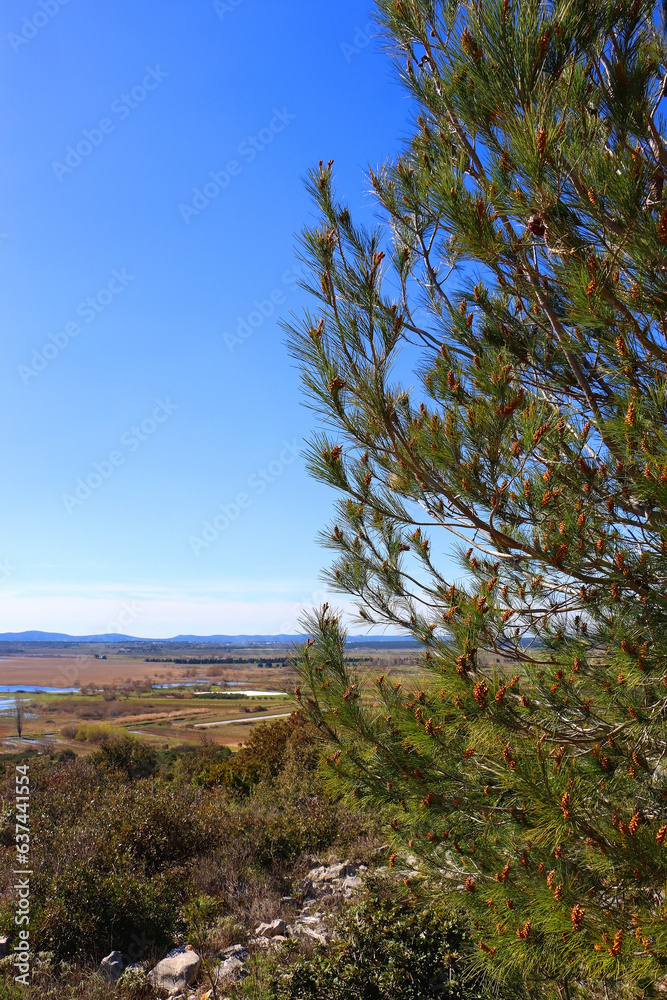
x=523, y=249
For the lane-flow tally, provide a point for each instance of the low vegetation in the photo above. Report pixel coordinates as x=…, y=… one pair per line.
x=137, y=849
x=126, y=838
x=390, y=946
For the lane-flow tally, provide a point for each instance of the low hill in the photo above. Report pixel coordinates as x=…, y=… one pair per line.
x=234, y=640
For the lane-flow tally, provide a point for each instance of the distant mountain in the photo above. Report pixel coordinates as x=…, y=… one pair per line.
x=114, y=637
x=62, y=637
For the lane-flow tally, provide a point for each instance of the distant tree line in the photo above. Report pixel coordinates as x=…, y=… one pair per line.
x=191, y=660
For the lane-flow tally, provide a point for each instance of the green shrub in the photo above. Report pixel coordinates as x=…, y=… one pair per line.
x=271, y=748
x=90, y=912
x=386, y=948
x=93, y=732
x=74, y=983
x=9, y=990
x=194, y=764
x=111, y=857
x=133, y=757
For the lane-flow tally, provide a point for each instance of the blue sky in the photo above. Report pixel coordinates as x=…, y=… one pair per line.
x=152, y=164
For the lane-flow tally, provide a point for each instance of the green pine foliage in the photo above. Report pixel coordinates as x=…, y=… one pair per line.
x=522, y=248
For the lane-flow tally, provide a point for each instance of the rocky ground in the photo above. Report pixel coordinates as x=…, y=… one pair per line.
x=303, y=918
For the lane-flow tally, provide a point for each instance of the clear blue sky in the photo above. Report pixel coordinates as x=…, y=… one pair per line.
x=125, y=295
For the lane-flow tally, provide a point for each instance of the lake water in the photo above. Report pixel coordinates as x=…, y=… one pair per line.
x=6, y=704
x=181, y=684
x=34, y=689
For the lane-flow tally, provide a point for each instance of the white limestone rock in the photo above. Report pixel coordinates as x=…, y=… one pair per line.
x=276, y=927
x=177, y=971
x=111, y=967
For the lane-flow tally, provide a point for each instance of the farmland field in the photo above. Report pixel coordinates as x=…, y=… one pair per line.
x=143, y=689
